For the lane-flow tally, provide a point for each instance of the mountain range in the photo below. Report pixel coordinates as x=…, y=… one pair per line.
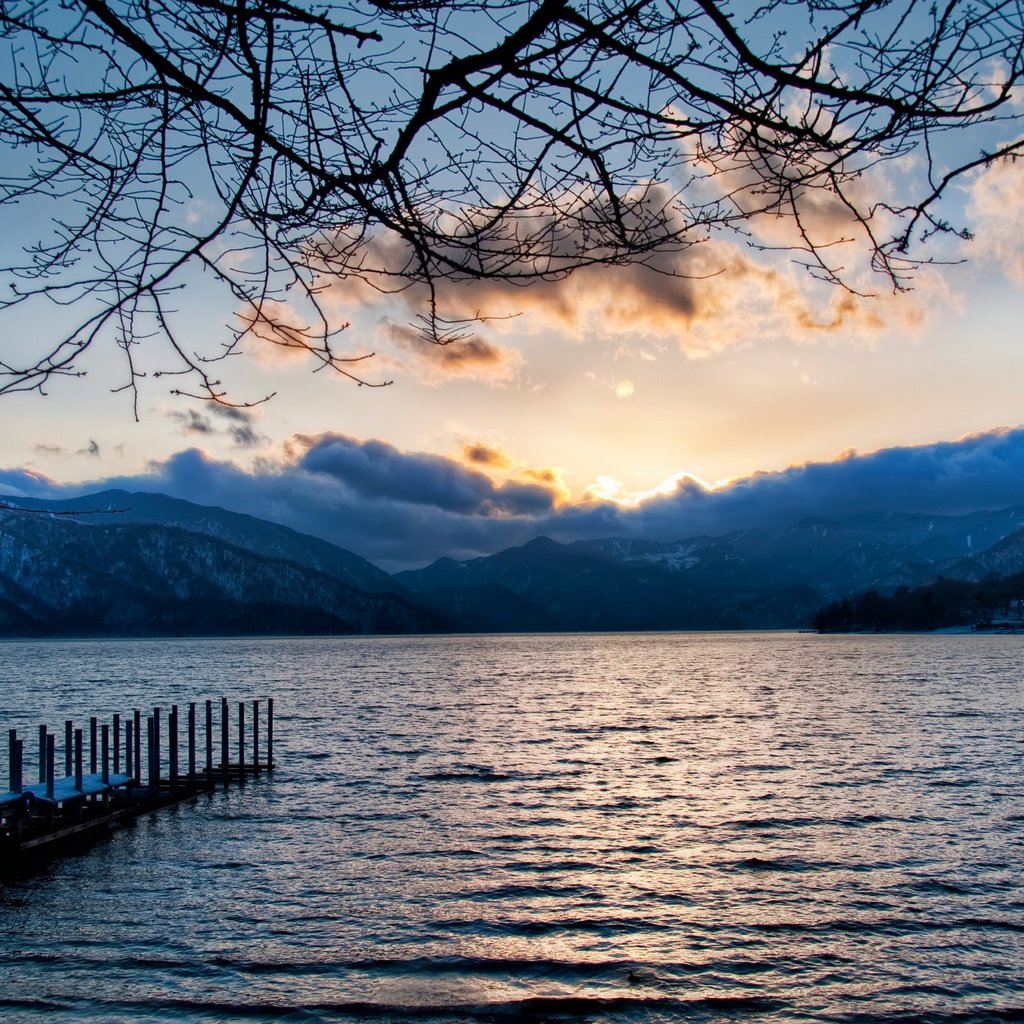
x=749, y=579
x=119, y=563
x=164, y=567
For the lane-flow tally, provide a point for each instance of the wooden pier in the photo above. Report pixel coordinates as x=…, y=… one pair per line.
x=105, y=780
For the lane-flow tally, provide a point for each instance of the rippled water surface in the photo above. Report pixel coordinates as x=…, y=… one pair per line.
x=707, y=827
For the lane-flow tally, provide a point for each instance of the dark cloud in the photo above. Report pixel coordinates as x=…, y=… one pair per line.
x=49, y=449
x=376, y=470
x=239, y=426
x=544, y=476
x=949, y=478
x=246, y=437
x=407, y=508
x=191, y=422
x=92, y=449
x=483, y=455
x=27, y=483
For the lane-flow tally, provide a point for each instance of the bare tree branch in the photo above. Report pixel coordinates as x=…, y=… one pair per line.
x=281, y=147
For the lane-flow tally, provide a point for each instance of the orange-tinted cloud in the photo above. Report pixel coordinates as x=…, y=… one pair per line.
x=703, y=293
x=552, y=480
x=483, y=455
x=472, y=357
x=501, y=465
x=275, y=332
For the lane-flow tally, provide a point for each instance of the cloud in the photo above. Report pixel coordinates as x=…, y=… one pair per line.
x=238, y=426
x=704, y=299
x=699, y=291
x=996, y=209
x=191, y=422
x=277, y=333
x=92, y=449
x=981, y=471
x=402, y=508
x=471, y=357
x=483, y=455
x=28, y=483
x=377, y=471
x=494, y=461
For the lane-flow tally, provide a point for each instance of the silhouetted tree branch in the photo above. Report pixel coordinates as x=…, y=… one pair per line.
x=284, y=147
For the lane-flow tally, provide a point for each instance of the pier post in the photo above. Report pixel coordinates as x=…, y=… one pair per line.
x=14, y=761
x=172, y=745
x=42, y=753
x=15, y=770
x=241, y=741
x=209, y=741
x=256, y=736
x=117, y=744
x=156, y=741
x=92, y=745
x=51, y=754
x=154, y=766
x=129, y=751
x=137, y=717
x=105, y=740
x=69, y=748
x=270, y=732
x=224, y=738
x=78, y=760
x=192, y=741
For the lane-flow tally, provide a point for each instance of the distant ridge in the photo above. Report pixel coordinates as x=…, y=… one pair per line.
x=167, y=566
x=245, y=531
x=95, y=576
x=747, y=579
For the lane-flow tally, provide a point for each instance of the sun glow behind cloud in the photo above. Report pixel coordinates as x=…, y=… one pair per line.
x=609, y=489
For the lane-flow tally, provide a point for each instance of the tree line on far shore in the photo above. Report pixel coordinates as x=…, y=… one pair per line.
x=942, y=604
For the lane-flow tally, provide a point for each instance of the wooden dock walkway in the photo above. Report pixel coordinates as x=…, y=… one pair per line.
x=108, y=781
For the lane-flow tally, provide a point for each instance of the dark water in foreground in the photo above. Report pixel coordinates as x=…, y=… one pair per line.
x=754, y=827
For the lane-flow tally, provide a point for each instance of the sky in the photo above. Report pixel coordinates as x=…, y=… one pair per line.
x=616, y=402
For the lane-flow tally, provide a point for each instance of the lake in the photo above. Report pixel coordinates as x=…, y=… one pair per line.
x=656, y=827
